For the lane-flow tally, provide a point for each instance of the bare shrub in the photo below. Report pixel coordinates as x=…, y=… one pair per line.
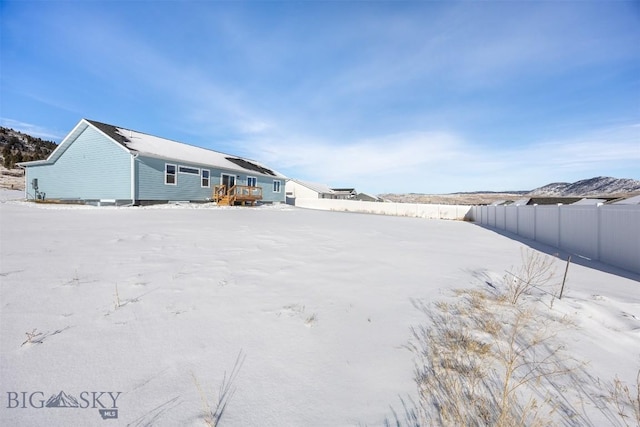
x=481, y=362
x=451, y=370
x=214, y=410
x=536, y=271
x=490, y=359
x=626, y=401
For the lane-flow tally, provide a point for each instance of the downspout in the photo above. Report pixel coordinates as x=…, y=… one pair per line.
x=133, y=178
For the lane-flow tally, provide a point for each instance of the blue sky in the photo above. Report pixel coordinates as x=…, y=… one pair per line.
x=383, y=96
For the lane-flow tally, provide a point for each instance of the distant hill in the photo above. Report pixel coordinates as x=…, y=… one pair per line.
x=19, y=147
x=599, y=186
x=475, y=198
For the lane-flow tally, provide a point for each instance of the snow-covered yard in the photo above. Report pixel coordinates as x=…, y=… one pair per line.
x=150, y=302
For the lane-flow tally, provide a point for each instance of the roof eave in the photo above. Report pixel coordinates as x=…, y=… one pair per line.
x=33, y=163
x=189, y=162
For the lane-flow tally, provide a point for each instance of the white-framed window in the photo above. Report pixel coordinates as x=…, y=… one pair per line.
x=170, y=175
x=276, y=186
x=188, y=170
x=204, y=178
x=252, y=181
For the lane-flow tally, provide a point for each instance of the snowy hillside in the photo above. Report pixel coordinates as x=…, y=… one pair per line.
x=600, y=186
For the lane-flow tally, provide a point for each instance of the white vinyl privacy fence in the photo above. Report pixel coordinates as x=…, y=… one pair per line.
x=607, y=233
x=416, y=210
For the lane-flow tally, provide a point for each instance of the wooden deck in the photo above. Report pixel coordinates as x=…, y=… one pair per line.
x=236, y=195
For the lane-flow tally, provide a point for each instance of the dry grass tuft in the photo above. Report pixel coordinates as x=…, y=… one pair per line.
x=489, y=358
x=214, y=411
x=481, y=362
x=626, y=401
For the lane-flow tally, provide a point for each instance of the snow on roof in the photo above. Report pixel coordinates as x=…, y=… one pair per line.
x=373, y=196
x=318, y=188
x=589, y=202
x=520, y=202
x=635, y=200
x=154, y=146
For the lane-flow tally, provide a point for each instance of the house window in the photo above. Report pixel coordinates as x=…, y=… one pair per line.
x=252, y=181
x=276, y=186
x=170, y=174
x=204, y=178
x=191, y=171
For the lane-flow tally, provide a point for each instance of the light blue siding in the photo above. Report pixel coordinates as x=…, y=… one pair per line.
x=267, y=189
x=92, y=167
x=151, y=186
x=150, y=180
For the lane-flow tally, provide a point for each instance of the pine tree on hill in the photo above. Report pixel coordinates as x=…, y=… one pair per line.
x=20, y=147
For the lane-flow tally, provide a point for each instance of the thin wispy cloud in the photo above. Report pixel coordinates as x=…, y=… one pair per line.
x=31, y=129
x=432, y=96
x=421, y=160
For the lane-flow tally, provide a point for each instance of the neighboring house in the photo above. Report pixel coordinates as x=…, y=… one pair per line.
x=365, y=197
x=634, y=200
x=521, y=202
x=97, y=162
x=311, y=190
x=344, y=193
x=568, y=200
x=541, y=200
x=308, y=190
x=501, y=203
x=589, y=202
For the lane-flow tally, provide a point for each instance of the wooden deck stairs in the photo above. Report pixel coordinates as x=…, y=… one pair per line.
x=236, y=195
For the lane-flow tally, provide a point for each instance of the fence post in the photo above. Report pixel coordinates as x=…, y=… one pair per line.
x=560, y=225
x=598, y=230
x=535, y=222
x=564, y=279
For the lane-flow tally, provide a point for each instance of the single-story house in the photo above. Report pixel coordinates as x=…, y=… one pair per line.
x=102, y=163
x=308, y=190
x=541, y=200
x=366, y=197
x=344, y=193
x=589, y=202
x=311, y=190
x=633, y=200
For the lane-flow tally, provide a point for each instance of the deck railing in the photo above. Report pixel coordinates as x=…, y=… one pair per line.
x=219, y=192
x=244, y=191
x=237, y=194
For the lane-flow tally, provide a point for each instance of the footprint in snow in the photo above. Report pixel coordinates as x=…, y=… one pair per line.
x=290, y=310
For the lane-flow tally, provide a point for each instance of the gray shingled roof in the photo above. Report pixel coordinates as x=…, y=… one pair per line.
x=146, y=144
